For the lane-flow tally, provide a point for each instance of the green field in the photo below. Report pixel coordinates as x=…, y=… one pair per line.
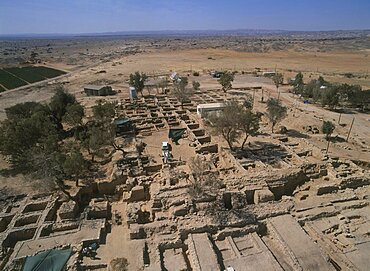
x=20, y=76
x=9, y=81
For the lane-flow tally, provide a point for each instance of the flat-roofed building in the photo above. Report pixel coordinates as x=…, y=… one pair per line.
x=205, y=109
x=95, y=90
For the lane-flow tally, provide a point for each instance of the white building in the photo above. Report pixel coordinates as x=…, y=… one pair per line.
x=204, y=109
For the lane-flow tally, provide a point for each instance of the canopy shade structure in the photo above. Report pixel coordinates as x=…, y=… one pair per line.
x=176, y=133
x=50, y=260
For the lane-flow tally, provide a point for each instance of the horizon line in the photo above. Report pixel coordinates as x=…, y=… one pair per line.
x=133, y=32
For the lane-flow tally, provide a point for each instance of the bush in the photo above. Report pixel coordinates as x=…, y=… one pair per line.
x=195, y=73
x=349, y=75
x=118, y=264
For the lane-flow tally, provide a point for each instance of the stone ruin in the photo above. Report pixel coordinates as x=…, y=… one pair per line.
x=279, y=205
x=30, y=224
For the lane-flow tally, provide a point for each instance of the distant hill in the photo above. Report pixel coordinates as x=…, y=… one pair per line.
x=197, y=33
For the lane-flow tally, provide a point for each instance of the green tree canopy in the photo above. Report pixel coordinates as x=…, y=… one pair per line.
x=32, y=135
x=298, y=83
x=196, y=85
x=236, y=120
x=103, y=111
x=60, y=101
x=276, y=112
x=330, y=96
x=248, y=123
x=180, y=90
x=226, y=81
x=74, y=114
x=137, y=80
x=75, y=165
x=328, y=128
x=278, y=79
x=226, y=124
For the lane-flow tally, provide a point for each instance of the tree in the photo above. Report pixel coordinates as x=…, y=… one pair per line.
x=248, y=123
x=330, y=96
x=226, y=80
x=74, y=114
x=140, y=147
x=275, y=112
x=248, y=102
x=23, y=110
x=298, y=83
x=118, y=264
x=75, y=166
x=327, y=128
x=181, y=92
x=226, y=122
x=204, y=181
x=32, y=136
x=59, y=102
x=103, y=111
x=137, y=80
x=97, y=138
x=21, y=133
x=322, y=81
x=196, y=85
x=278, y=80
x=360, y=98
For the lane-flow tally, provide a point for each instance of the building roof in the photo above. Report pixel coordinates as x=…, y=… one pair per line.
x=95, y=87
x=121, y=121
x=212, y=105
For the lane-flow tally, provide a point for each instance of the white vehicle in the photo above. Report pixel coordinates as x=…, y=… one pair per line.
x=166, y=152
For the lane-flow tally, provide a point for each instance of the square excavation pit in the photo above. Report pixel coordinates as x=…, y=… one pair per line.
x=26, y=220
x=4, y=222
x=19, y=235
x=36, y=206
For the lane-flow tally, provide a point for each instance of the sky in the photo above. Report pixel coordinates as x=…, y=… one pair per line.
x=95, y=16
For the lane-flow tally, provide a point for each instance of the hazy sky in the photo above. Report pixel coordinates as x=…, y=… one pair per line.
x=86, y=16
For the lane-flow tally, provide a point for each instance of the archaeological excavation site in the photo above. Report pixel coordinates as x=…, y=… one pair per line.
x=176, y=197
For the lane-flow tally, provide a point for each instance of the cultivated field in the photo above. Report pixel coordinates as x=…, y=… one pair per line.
x=15, y=77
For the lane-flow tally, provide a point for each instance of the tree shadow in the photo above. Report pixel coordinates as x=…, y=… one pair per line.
x=265, y=152
x=337, y=139
x=13, y=171
x=296, y=134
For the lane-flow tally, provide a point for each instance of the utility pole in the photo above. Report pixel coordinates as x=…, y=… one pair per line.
x=327, y=146
x=262, y=95
x=350, y=129
x=254, y=92
x=340, y=115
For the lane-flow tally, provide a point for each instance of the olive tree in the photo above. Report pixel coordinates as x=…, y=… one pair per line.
x=181, y=91
x=276, y=112
x=137, y=80
x=327, y=128
x=196, y=85
x=226, y=80
x=248, y=123
x=226, y=123
x=278, y=81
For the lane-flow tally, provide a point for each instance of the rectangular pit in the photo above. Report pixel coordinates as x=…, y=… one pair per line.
x=34, y=207
x=4, y=222
x=19, y=235
x=26, y=220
